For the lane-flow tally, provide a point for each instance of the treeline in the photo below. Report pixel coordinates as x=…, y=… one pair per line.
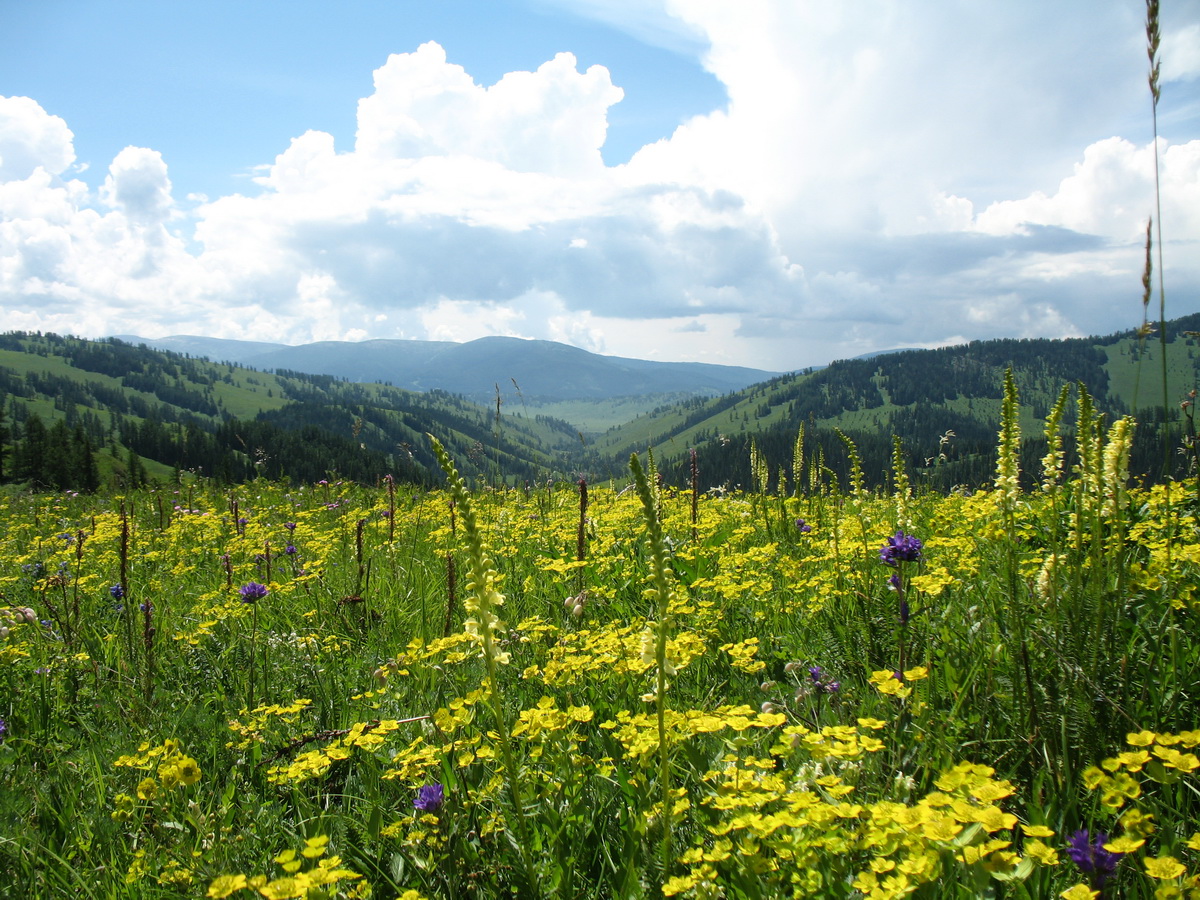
x=941, y=453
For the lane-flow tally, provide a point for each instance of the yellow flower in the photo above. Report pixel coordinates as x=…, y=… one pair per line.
x=1037, y=831
x=1124, y=844
x=1041, y=852
x=1164, y=867
x=226, y=885
x=147, y=789
x=188, y=770
x=1079, y=892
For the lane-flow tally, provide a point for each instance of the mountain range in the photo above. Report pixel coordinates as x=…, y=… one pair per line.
x=542, y=371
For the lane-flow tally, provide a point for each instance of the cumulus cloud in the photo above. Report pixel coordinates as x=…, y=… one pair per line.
x=137, y=184
x=31, y=138
x=880, y=177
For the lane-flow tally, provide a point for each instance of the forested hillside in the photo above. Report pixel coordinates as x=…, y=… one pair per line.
x=944, y=404
x=75, y=414
x=75, y=411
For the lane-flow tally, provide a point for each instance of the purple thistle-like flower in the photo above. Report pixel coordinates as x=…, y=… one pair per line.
x=1089, y=855
x=430, y=798
x=900, y=548
x=252, y=592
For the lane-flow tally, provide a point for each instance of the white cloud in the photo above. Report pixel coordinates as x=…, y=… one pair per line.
x=882, y=176
x=137, y=184
x=550, y=121
x=31, y=138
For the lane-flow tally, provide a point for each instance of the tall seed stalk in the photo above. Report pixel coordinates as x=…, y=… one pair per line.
x=661, y=589
x=483, y=599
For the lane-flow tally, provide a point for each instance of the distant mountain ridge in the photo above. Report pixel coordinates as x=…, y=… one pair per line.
x=542, y=370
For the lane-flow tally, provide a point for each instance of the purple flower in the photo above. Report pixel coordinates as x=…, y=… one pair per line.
x=803, y=527
x=290, y=550
x=252, y=592
x=901, y=548
x=822, y=682
x=117, y=591
x=904, y=612
x=290, y=526
x=1089, y=855
x=430, y=798
x=3, y=729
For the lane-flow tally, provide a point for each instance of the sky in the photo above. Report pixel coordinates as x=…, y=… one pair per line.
x=771, y=183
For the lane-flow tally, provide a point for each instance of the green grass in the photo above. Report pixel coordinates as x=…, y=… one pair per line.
x=642, y=718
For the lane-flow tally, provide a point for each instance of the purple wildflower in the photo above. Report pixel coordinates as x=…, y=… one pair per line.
x=430, y=798
x=1089, y=855
x=117, y=591
x=901, y=548
x=290, y=550
x=803, y=527
x=3, y=729
x=822, y=682
x=290, y=526
x=252, y=592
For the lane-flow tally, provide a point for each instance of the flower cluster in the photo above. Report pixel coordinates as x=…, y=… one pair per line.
x=252, y=592
x=901, y=548
x=430, y=798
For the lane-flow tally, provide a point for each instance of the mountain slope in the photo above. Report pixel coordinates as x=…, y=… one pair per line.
x=544, y=371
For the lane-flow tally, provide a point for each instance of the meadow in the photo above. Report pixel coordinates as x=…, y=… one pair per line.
x=609, y=690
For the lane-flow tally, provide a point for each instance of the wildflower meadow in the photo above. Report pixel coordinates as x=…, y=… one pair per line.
x=620, y=689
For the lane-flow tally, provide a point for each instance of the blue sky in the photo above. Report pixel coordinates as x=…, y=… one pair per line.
x=775, y=183
x=220, y=87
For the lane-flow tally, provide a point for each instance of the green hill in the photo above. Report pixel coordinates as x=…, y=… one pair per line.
x=135, y=412
x=234, y=423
